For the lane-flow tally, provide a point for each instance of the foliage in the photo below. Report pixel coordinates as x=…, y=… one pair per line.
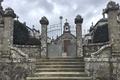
x=21, y=35
x=101, y=34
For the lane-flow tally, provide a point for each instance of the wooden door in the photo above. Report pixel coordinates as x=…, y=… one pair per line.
x=66, y=44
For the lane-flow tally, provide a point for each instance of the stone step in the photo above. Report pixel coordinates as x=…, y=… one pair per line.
x=5, y=55
x=116, y=55
x=60, y=74
x=61, y=63
x=60, y=66
x=60, y=69
x=59, y=78
x=61, y=59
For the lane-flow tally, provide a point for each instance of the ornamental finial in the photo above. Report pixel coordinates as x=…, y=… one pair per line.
x=9, y=12
x=44, y=21
x=78, y=19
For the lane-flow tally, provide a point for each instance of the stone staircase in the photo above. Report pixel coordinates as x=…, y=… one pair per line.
x=60, y=69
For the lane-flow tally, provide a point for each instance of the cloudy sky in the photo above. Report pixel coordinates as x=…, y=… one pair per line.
x=30, y=11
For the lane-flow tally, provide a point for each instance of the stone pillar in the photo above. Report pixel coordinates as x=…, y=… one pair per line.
x=44, y=47
x=9, y=16
x=113, y=25
x=78, y=22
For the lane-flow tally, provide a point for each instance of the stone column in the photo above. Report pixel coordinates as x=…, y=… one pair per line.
x=9, y=16
x=44, y=47
x=78, y=22
x=113, y=25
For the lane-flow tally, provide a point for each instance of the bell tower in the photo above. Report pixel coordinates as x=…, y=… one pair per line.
x=66, y=27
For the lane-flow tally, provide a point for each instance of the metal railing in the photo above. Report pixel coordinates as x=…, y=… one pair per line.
x=56, y=30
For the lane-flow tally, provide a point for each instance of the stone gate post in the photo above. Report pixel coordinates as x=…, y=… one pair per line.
x=78, y=22
x=112, y=11
x=44, y=47
x=9, y=16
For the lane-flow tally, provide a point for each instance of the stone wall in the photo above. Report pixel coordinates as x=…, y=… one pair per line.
x=32, y=51
x=91, y=48
x=103, y=68
x=56, y=47
x=54, y=50
x=100, y=64
x=1, y=33
x=1, y=36
x=15, y=70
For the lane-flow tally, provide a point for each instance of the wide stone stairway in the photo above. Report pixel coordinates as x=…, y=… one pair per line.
x=60, y=69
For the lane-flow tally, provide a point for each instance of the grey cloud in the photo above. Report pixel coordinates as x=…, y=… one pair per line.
x=28, y=5
x=63, y=2
x=84, y=7
x=48, y=7
x=95, y=3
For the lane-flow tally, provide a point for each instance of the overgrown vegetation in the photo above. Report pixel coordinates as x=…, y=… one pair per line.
x=21, y=35
x=101, y=34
